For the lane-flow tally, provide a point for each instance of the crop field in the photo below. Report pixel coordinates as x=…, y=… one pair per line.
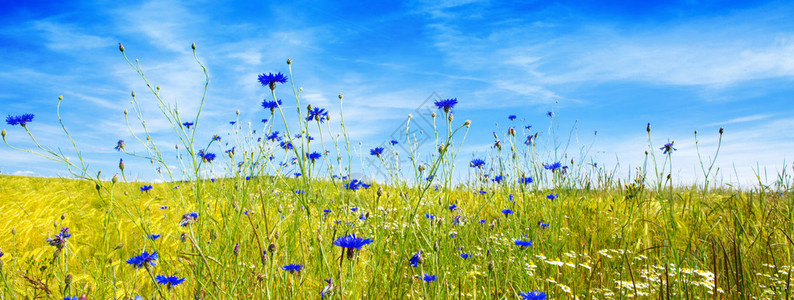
x=287, y=218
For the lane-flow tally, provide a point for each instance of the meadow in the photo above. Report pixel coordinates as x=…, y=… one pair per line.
x=288, y=219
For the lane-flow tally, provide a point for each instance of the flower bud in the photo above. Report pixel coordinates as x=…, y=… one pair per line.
x=421, y=168
x=490, y=266
x=721, y=130
x=68, y=280
x=125, y=112
x=236, y=249
x=433, y=114
x=467, y=123
x=60, y=97
x=3, y=133
x=340, y=96
x=121, y=47
x=121, y=164
x=289, y=61
x=193, y=46
x=115, y=178
x=449, y=118
x=133, y=94
x=648, y=128
x=380, y=191
x=511, y=131
x=271, y=248
x=410, y=116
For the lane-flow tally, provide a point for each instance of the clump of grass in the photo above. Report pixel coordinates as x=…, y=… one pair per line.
x=286, y=219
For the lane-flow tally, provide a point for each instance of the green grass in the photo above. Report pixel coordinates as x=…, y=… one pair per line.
x=600, y=243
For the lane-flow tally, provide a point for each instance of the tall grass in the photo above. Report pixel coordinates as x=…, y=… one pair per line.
x=594, y=235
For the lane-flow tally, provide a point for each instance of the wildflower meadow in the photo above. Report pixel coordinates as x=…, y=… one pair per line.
x=279, y=208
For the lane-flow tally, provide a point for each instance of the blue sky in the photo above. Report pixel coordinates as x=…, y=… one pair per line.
x=609, y=67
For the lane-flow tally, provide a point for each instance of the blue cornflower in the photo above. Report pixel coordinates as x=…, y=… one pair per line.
x=20, y=120
x=297, y=174
x=429, y=278
x=206, y=156
x=144, y=260
x=356, y=184
x=271, y=79
x=393, y=142
x=552, y=196
x=292, y=268
x=119, y=145
x=511, y=197
x=529, y=140
x=429, y=216
x=326, y=211
x=533, y=295
x=482, y=221
x=668, y=148
x=352, y=242
x=498, y=178
x=446, y=104
x=524, y=244
x=59, y=240
x=169, y=281
x=71, y=298
x=327, y=289
x=483, y=192
x=376, y=152
x=188, y=218
x=232, y=122
x=507, y=211
x=477, y=163
x=313, y=156
x=415, y=259
x=271, y=105
x=525, y=180
x=154, y=236
x=188, y=124
x=274, y=136
x=286, y=145
x=453, y=207
x=465, y=255
x=216, y=138
x=543, y=225
x=511, y=117
x=549, y=114
x=317, y=114
x=264, y=120
x=354, y=208
x=554, y=167
x=146, y=188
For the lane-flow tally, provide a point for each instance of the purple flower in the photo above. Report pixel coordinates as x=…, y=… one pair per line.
x=668, y=148
x=59, y=240
x=188, y=218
